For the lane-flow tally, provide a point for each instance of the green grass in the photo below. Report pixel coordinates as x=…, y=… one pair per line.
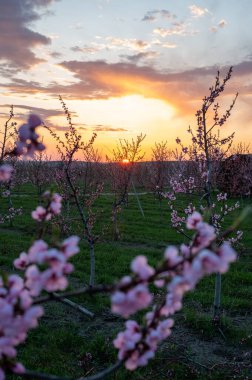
x=64, y=337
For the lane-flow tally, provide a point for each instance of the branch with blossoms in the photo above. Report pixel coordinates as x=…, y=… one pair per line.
x=10, y=212
x=207, y=150
x=26, y=145
x=44, y=214
x=218, y=211
x=8, y=134
x=45, y=268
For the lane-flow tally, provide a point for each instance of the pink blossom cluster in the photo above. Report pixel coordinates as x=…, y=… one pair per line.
x=176, y=220
x=6, y=193
x=126, y=302
x=169, y=195
x=5, y=172
x=225, y=209
x=221, y=197
x=217, y=213
x=235, y=239
x=45, y=269
x=17, y=316
x=181, y=269
x=137, y=347
x=17, y=313
x=28, y=139
x=55, y=260
x=189, y=209
x=53, y=208
x=218, y=218
x=12, y=212
x=183, y=185
x=184, y=150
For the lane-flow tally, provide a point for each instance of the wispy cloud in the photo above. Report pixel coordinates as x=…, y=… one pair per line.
x=107, y=128
x=177, y=28
x=89, y=49
x=131, y=43
x=169, y=45
x=198, y=11
x=221, y=24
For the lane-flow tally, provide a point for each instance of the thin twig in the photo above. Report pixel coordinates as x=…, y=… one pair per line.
x=104, y=373
x=43, y=376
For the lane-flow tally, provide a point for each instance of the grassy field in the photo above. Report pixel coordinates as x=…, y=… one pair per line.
x=69, y=344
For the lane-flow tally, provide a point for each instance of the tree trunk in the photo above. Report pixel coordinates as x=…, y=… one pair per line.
x=92, y=263
x=217, y=298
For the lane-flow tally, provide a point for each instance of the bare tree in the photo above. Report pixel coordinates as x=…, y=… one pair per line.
x=70, y=179
x=120, y=169
x=158, y=170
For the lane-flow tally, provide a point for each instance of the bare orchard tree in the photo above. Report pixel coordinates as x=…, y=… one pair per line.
x=121, y=166
x=70, y=178
x=8, y=135
x=92, y=173
x=37, y=172
x=158, y=169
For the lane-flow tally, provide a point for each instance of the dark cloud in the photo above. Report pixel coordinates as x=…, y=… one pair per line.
x=44, y=113
x=86, y=49
x=23, y=87
x=244, y=68
x=85, y=127
x=17, y=39
x=162, y=13
x=55, y=54
x=140, y=56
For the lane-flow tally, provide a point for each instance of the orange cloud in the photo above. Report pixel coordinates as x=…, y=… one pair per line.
x=102, y=80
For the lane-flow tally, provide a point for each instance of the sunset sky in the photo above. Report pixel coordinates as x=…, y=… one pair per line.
x=124, y=67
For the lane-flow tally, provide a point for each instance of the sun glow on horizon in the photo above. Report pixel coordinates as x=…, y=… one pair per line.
x=125, y=161
x=117, y=118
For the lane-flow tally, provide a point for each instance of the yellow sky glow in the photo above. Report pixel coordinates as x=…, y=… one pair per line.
x=118, y=118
